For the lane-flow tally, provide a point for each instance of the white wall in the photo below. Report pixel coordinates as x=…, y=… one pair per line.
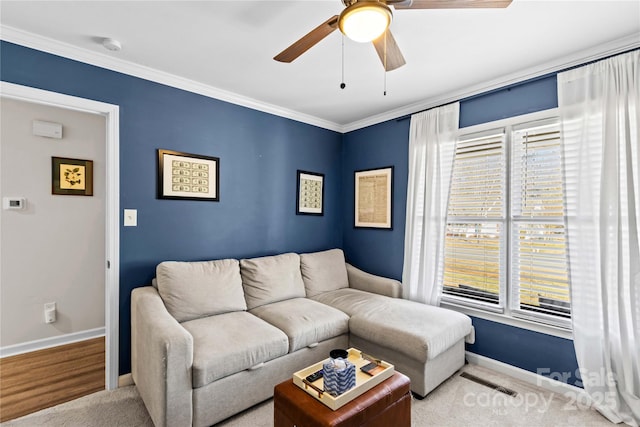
x=54, y=251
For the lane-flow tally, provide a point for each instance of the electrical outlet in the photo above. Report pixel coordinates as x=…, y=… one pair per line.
x=50, y=312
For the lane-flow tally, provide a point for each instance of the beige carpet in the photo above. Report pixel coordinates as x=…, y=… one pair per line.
x=457, y=402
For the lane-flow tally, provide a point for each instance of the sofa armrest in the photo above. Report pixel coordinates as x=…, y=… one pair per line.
x=364, y=281
x=161, y=359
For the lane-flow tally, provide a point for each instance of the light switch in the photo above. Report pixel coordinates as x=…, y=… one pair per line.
x=130, y=217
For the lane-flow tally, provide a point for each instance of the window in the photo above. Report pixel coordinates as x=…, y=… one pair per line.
x=505, y=245
x=474, y=242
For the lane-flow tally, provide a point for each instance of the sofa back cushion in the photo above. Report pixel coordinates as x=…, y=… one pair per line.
x=191, y=290
x=271, y=279
x=324, y=271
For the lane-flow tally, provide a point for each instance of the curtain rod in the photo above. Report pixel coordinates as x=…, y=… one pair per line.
x=508, y=87
x=408, y=116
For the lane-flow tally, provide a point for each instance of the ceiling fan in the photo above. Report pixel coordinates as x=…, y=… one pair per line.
x=369, y=20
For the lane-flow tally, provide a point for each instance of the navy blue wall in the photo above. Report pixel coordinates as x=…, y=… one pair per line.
x=541, y=353
x=382, y=251
x=259, y=155
x=528, y=97
x=378, y=251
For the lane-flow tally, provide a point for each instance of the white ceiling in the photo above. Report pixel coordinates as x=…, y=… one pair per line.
x=225, y=49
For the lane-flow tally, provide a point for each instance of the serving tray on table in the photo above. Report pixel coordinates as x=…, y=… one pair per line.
x=364, y=382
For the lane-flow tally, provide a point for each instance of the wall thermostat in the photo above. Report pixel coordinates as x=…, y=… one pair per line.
x=14, y=203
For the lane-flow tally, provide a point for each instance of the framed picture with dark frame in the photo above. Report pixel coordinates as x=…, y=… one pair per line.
x=185, y=176
x=71, y=177
x=310, y=193
x=373, y=198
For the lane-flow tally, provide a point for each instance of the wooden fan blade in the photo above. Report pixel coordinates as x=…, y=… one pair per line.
x=449, y=4
x=308, y=41
x=394, y=58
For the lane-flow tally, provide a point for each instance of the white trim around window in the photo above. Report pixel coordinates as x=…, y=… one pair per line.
x=504, y=312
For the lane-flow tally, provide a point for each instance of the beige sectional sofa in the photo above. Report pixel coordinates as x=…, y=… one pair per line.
x=210, y=339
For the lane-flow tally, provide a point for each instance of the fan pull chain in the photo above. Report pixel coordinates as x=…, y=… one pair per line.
x=343, y=84
x=385, y=63
x=385, y=84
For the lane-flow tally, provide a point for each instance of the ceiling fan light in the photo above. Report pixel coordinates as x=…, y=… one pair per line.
x=365, y=21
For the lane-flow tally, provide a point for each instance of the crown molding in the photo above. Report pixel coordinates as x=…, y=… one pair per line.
x=595, y=53
x=69, y=51
x=45, y=44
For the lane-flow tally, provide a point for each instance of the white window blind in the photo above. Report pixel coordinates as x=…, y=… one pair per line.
x=505, y=244
x=539, y=270
x=474, y=242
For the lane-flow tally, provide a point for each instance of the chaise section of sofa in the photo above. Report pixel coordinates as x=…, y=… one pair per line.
x=424, y=342
x=213, y=338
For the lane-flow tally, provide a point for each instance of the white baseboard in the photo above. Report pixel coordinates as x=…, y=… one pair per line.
x=545, y=383
x=26, y=347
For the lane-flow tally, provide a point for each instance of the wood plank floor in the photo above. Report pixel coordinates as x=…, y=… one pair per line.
x=44, y=378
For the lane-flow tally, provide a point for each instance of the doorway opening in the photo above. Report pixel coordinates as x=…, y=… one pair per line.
x=110, y=113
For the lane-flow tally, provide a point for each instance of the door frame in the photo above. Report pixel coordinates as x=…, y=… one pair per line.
x=111, y=113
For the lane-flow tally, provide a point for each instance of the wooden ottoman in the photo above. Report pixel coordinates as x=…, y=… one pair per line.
x=387, y=404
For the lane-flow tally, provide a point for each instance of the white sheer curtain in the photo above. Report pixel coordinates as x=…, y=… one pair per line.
x=431, y=148
x=600, y=108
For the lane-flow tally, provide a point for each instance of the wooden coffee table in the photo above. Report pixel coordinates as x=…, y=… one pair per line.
x=387, y=404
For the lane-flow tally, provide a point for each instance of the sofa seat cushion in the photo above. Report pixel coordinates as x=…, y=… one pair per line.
x=271, y=279
x=417, y=330
x=228, y=343
x=352, y=301
x=191, y=290
x=323, y=271
x=304, y=321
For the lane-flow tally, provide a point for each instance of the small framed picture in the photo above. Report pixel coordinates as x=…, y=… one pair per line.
x=188, y=176
x=71, y=177
x=373, y=198
x=310, y=193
